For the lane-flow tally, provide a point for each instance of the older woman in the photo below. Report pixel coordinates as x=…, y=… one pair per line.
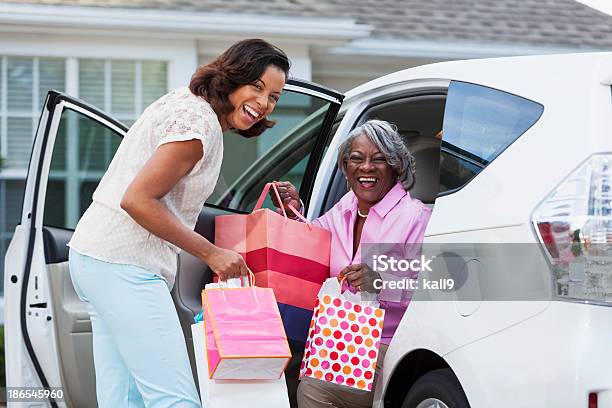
x=379, y=170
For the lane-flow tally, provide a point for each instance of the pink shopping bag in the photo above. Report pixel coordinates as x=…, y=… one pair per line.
x=292, y=257
x=343, y=340
x=245, y=338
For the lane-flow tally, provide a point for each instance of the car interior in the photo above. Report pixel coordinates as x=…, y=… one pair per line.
x=419, y=121
x=418, y=118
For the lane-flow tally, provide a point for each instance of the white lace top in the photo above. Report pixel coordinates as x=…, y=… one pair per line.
x=106, y=232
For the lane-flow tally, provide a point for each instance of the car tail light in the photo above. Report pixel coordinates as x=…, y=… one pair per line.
x=592, y=400
x=574, y=224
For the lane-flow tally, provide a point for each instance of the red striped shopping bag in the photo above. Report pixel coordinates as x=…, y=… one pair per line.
x=289, y=256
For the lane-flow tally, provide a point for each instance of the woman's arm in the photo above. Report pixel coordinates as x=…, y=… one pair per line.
x=142, y=201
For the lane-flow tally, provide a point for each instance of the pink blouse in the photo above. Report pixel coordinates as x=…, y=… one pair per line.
x=396, y=219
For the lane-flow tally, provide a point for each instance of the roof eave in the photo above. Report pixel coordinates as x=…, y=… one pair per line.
x=170, y=23
x=448, y=49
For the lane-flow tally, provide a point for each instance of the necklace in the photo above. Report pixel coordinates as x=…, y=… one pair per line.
x=360, y=214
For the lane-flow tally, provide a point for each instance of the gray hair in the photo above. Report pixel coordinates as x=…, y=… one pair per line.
x=386, y=138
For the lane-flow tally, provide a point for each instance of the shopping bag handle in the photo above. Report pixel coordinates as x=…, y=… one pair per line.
x=251, y=277
x=299, y=216
x=341, y=282
x=262, y=197
x=250, y=280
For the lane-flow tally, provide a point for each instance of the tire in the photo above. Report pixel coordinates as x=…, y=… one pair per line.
x=436, y=389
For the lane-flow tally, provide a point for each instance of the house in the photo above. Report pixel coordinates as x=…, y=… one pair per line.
x=120, y=55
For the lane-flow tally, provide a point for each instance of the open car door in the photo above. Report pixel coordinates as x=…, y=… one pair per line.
x=48, y=341
x=48, y=337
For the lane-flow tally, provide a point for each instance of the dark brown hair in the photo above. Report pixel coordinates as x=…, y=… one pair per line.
x=241, y=64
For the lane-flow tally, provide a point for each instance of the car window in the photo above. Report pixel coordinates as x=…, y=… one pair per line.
x=479, y=124
x=418, y=118
x=82, y=152
x=280, y=153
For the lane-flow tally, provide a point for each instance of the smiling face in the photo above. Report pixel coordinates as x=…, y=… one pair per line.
x=255, y=101
x=368, y=172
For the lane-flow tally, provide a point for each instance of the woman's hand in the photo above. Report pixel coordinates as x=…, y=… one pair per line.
x=227, y=264
x=361, y=277
x=289, y=196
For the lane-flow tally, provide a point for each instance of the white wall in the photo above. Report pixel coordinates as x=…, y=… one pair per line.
x=344, y=72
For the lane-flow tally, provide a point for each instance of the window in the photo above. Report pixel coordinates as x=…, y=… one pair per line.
x=24, y=82
x=83, y=150
x=122, y=88
x=479, y=124
x=281, y=153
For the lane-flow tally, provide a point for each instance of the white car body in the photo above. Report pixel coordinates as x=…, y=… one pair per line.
x=512, y=354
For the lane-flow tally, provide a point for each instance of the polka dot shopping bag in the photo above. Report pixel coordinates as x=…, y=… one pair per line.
x=343, y=339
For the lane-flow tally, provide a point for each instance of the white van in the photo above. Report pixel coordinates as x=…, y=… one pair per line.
x=509, y=151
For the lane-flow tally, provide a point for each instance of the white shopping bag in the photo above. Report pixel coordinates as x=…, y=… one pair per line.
x=333, y=287
x=230, y=283
x=234, y=393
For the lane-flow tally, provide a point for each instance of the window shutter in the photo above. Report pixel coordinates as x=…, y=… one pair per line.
x=154, y=78
x=52, y=75
x=19, y=84
x=19, y=142
x=123, y=89
x=91, y=82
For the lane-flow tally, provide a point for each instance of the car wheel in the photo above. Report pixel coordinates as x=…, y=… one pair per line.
x=436, y=389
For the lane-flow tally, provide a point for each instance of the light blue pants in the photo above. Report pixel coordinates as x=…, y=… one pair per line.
x=139, y=349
